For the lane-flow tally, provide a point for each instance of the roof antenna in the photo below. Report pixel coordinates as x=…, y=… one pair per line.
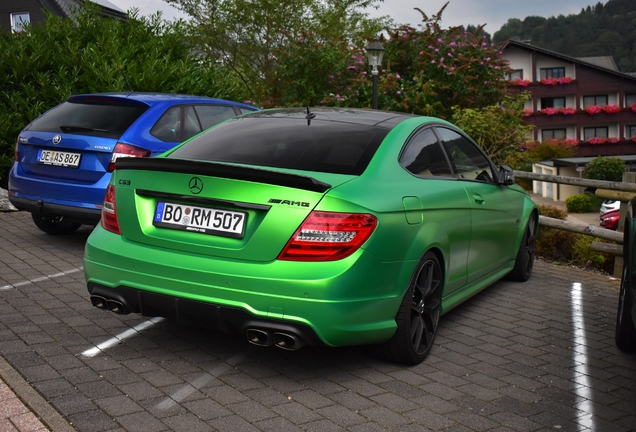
x=127, y=84
x=310, y=116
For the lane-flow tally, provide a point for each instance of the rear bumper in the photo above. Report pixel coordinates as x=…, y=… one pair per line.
x=348, y=302
x=78, y=202
x=71, y=214
x=124, y=300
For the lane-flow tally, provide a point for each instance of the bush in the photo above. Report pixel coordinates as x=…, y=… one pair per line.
x=579, y=204
x=563, y=246
x=554, y=244
x=45, y=64
x=583, y=255
x=605, y=168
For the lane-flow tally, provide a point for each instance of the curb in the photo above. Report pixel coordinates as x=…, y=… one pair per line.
x=32, y=399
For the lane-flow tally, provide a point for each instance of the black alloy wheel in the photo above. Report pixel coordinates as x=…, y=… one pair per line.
x=419, y=314
x=524, y=261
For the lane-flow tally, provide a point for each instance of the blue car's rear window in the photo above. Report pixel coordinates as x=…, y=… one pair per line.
x=323, y=146
x=103, y=118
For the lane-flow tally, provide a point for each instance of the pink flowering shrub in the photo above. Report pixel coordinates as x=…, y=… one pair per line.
x=597, y=140
x=433, y=69
x=612, y=140
x=633, y=107
x=571, y=141
x=527, y=112
x=612, y=109
x=594, y=109
x=568, y=110
x=519, y=82
x=551, y=111
x=555, y=81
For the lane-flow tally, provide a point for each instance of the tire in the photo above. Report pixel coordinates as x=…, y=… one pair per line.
x=51, y=225
x=418, y=317
x=625, y=335
x=524, y=261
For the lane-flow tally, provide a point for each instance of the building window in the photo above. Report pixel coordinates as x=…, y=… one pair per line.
x=19, y=21
x=547, y=134
x=516, y=74
x=594, y=100
x=631, y=131
x=555, y=72
x=558, y=102
x=594, y=132
x=630, y=98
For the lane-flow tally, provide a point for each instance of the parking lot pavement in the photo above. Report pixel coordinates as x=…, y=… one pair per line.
x=517, y=357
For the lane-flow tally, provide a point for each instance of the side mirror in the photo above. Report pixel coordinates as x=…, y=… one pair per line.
x=506, y=176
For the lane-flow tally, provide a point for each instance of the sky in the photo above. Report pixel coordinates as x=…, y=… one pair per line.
x=493, y=13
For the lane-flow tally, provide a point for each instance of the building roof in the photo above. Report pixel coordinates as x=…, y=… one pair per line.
x=593, y=62
x=630, y=161
x=603, y=61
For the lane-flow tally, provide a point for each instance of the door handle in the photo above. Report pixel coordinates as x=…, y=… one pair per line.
x=478, y=198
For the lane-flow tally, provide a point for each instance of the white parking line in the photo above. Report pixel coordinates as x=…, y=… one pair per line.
x=41, y=278
x=92, y=352
x=202, y=380
x=583, y=389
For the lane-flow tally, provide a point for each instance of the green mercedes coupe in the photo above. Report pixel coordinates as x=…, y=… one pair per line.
x=320, y=226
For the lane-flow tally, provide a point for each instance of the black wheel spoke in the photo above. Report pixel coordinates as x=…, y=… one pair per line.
x=425, y=307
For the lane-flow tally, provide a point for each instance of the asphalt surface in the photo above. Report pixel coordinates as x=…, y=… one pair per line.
x=535, y=356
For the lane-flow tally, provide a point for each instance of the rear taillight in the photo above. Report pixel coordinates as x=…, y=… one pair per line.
x=16, y=154
x=126, y=150
x=109, y=211
x=327, y=236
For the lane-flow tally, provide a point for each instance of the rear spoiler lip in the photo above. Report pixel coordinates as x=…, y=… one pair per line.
x=216, y=169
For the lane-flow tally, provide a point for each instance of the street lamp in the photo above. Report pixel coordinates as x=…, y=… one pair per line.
x=375, y=51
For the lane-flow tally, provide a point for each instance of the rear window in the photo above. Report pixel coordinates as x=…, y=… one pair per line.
x=323, y=146
x=108, y=119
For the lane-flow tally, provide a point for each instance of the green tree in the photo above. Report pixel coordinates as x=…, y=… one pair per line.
x=248, y=36
x=498, y=129
x=605, y=168
x=45, y=64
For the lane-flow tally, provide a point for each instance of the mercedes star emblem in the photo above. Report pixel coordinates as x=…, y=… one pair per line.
x=195, y=185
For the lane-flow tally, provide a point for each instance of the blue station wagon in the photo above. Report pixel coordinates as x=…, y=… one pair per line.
x=65, y=157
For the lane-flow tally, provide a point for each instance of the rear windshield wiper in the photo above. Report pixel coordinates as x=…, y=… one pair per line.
x=65, y=128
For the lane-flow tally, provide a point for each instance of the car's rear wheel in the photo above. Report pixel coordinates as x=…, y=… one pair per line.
x=625, y=327
x=418, y=316
x=54, y=225
x=524, y=261
x=625, y=333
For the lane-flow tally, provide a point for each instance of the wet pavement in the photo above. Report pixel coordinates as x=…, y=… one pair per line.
x=535, y=356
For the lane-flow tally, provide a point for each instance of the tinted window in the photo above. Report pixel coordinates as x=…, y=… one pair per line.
x=468, y=160
x=424, y=156
x=209, y=115
x=324, y=146
x=105, y=119
x=168, y=127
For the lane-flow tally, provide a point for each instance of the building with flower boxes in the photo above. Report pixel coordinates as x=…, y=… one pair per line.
x=584, y=102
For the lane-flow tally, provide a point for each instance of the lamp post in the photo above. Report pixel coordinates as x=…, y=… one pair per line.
x=375, y=51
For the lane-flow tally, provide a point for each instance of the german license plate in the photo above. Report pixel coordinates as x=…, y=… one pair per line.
x=58, y=158
x=203, y=220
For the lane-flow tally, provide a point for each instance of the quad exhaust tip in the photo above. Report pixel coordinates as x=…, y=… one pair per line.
x=109, y=304
x=262, y=337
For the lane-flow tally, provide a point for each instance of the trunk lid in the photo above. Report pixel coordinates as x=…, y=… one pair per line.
x=213, y=209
